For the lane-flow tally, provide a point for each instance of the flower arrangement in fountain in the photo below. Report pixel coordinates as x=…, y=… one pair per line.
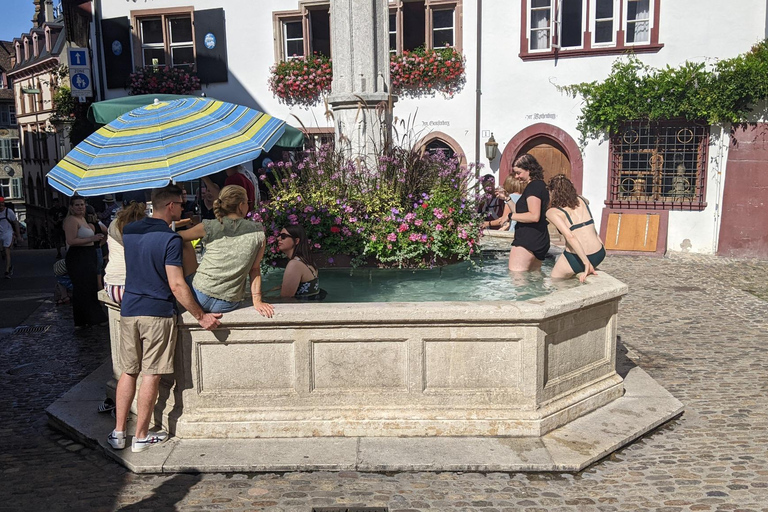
x=303, y=81
x=163, y=80
x=408, y=209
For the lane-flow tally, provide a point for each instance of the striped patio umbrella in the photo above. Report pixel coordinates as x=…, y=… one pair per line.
x=167, y=141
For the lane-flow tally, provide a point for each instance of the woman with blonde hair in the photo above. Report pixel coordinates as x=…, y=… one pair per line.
x=114, y=277
x=570, y=214
x=234, y=247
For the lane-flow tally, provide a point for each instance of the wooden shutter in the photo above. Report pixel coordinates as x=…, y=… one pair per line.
x=632, y=232
x=210, y=30
x=118, y=62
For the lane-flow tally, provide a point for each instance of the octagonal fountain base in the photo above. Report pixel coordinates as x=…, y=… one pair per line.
x=484, y=386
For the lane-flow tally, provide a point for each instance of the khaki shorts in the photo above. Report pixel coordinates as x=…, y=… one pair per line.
x=147, y=344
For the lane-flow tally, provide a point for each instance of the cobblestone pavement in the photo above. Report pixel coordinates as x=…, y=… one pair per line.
x=697, y=324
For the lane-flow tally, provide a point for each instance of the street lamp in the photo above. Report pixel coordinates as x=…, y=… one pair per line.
x=491, y=149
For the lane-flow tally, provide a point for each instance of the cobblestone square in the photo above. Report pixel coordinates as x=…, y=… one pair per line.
x=697, y=324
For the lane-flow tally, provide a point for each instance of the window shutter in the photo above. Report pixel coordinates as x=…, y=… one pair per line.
x=211, y=46
x=116, y=35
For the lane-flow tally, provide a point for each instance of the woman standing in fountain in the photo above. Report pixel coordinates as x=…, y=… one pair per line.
x=570, y=214
x=234, y=247
x=81, y=266
x=531, y=242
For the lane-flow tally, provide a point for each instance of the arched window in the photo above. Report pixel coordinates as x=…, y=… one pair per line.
x=30, y=190
x=438, y=145
x=40, y=192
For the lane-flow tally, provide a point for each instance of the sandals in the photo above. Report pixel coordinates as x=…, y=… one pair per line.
x=107, y=405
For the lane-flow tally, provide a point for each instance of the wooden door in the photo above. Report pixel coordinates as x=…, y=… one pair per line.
x=551, y=157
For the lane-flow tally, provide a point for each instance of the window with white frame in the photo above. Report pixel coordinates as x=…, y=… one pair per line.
x=293, y=39
x=638, y=21
x=166, y=40
x=577, y=27
x=5, y=187
x=9, y=149
x=412, y=24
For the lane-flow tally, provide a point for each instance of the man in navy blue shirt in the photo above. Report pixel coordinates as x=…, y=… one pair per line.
x=154, y=281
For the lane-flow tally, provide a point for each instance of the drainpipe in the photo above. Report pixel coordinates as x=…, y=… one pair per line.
x=478, y=90
x=96, y=16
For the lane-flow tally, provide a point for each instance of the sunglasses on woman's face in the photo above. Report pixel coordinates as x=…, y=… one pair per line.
x=283, y=236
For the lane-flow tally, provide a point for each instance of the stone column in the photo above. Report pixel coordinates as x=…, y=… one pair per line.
x=360, y=93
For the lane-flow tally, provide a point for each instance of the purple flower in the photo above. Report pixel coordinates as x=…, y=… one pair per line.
x=330, y=260
x=293, y=219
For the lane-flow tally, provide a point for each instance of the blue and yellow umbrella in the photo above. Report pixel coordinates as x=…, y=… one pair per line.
x=167, y=141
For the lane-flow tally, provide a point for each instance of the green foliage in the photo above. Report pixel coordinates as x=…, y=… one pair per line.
x=63, y=104
x=726, y=91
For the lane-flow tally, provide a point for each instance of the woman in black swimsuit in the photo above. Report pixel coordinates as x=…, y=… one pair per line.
x=531, y=242
x=300, y=279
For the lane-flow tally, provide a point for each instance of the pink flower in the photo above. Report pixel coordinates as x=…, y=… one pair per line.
x=317, y=246
x=419, y=222
x=439, y=227
x=293, y=219
x=392, y=237
x=373, y=238
x=402, y=227
x=414, y=237
x=314, y=220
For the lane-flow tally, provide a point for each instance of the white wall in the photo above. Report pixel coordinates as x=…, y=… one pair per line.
x=514, y=91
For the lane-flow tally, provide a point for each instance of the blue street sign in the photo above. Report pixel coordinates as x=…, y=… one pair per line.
x=77, y=58
x=80, y=81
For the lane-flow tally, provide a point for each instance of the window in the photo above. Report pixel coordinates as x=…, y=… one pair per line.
x=5, y=118
x=12, y=114
x=9, y=149
x=293, y=39
x=16, y=188
x=304, y=32
x=412, y=24
x=166, y=40
x=567, y=28
x=5, y=187
x=638, y=21
x=424, y=24
x=659, y=166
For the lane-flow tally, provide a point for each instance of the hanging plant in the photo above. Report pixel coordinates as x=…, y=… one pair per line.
x=165, y=80
x=726, y=91
x=423, y=72
x=301, y=81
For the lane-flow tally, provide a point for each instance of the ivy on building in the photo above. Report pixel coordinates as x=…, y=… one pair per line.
x=724, y=91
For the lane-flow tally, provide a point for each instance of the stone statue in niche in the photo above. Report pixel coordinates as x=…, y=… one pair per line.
x=681, y=186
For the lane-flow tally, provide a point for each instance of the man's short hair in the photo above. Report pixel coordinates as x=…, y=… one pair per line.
x=162, y=196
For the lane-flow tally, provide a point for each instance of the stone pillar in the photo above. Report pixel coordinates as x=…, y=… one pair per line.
x=360, y=94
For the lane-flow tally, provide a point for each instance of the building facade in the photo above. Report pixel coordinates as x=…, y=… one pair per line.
x=11, y=174
x=676, y=186
x=36, y=73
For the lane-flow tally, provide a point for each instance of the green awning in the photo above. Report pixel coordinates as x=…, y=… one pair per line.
x=103, y=112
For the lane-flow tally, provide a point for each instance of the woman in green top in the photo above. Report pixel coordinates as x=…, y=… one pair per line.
x=234, y=247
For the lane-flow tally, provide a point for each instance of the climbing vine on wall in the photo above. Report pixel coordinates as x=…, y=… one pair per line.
x=725, y=91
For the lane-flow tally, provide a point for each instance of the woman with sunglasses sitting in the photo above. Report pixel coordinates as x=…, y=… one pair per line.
x=300, y=279
x=234, y=247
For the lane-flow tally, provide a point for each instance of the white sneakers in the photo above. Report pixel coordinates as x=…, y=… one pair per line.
x=117, y=440
x=153, y=438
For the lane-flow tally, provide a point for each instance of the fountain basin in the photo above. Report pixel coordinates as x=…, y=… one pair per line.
x=484, y=368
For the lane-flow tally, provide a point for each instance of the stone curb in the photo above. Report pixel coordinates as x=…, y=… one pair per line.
x=645, y=406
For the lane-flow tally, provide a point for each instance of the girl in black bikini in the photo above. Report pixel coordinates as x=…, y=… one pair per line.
x=570, y=214
x=300, y=279
x=531, y=235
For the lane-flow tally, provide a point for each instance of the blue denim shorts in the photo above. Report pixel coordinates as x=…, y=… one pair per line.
x=214, y=305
